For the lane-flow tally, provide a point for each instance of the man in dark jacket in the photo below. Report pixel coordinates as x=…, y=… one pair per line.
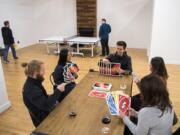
x=8, y=41
x=120, y=56
x=38, y=102
x=104, y=31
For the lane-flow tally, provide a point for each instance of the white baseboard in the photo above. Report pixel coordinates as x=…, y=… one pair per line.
x=5, y=106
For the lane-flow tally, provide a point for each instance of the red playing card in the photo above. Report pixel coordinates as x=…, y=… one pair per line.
x=103, y=85
x=124, y=103
x=97, y=94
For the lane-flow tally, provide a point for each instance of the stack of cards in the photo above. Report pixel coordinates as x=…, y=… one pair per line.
x=102, y=86
x=70, y=72
x=100, y=90
x=116, y=101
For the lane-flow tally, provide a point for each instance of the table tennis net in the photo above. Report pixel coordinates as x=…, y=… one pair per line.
x=70, y=37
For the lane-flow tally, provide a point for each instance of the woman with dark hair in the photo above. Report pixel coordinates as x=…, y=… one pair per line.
x=157, y=67
x=62, y=71
x=156, y=115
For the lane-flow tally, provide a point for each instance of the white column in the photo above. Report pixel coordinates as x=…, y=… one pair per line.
x=4, y=102
x=165, y=41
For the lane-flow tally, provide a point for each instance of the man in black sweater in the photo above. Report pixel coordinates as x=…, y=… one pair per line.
x=120, y=56
x=38, y=102
x=8, y=41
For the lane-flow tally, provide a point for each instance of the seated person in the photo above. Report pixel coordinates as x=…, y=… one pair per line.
x=156, y=115
x=121, y=57
x=65, y=71
x=157, y=67
x=38, y=102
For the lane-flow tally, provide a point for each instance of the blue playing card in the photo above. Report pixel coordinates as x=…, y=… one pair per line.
x=111, y=105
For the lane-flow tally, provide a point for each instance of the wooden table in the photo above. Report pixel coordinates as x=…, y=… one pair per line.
x=90, y=110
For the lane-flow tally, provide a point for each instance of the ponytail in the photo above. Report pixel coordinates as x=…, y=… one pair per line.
x=32, y=67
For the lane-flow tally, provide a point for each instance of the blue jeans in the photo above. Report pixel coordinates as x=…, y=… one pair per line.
x=7, y=50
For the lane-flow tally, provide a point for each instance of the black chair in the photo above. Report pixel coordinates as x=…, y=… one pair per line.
x=51, y=78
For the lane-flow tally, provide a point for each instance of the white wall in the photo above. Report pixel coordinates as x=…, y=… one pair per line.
x=20, y=14
x=35, y=19
x=4, y=102
x=130, y=20
x=166, y=31
x=55, y=17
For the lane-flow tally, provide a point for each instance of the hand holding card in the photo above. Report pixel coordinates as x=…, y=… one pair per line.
x=111, y=105
x=124, y=104
x=118, y=103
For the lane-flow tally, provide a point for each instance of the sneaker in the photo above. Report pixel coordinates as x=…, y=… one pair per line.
x=16, y=58
x=5, y=61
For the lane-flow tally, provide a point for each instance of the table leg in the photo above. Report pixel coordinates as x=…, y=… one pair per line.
x=92, y=50
x=59, y=48
x=78, y=48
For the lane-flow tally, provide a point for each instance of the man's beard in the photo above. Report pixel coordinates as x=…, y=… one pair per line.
x=40, y=78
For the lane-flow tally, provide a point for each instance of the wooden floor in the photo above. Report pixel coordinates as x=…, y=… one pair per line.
x=16, y=120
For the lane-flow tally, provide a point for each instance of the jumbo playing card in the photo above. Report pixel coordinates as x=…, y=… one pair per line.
x=120, y=100
x=97, y=94
x=111, y=105
x=124, y=103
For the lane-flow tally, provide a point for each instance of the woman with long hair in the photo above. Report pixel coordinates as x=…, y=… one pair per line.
x=157, y=67
x=65, y=71
x=156, y=115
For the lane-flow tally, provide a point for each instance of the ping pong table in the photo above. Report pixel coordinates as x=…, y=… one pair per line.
x=70, y=40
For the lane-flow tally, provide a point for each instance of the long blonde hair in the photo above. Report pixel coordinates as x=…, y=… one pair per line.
x=32, y=67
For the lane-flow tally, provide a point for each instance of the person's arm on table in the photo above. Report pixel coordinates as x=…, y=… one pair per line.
x=109, y=58
x=128, y=67
x=136, y=80
x=106, y=61
x=46, y=103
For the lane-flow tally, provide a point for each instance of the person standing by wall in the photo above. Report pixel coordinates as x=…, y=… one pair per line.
x=8, y=40
x=104, y=31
